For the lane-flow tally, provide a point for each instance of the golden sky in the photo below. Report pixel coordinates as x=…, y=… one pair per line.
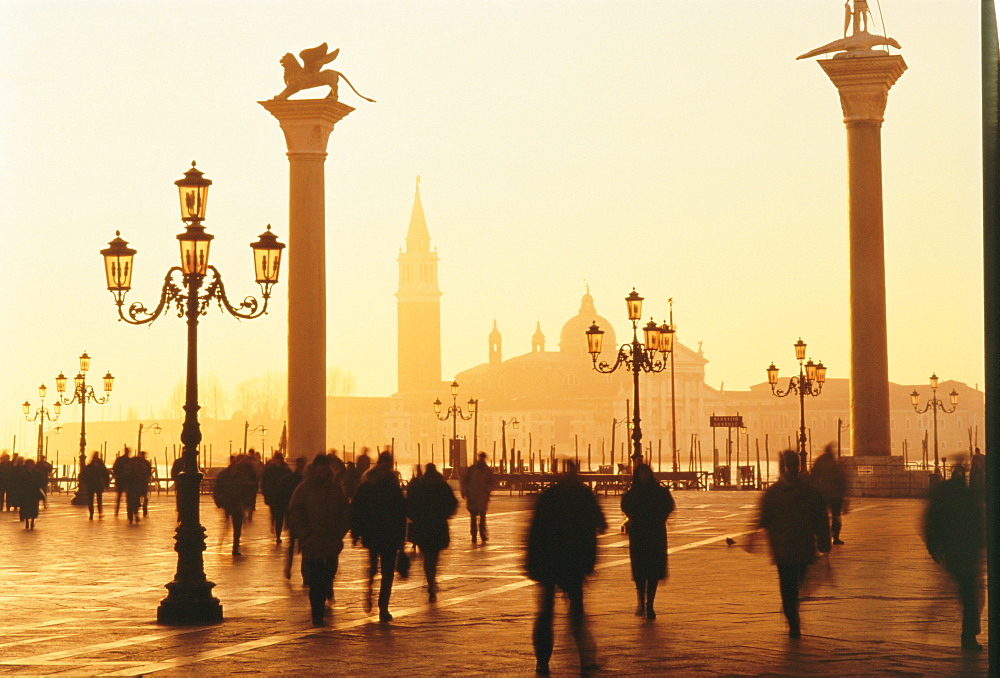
x=677, y=147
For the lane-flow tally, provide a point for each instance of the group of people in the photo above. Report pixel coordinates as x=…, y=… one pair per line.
x=801, y=514
x=23, y=486
x=325, y=501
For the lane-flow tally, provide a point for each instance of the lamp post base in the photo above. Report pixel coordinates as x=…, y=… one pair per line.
x=189, y=605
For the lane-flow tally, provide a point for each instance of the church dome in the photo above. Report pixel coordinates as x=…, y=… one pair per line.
x=573, y=337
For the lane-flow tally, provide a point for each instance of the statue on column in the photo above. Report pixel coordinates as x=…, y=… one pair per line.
x=309, y=73
x=860, y=42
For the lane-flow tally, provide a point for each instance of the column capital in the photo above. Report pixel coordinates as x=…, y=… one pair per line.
x=307, y=123
x=863, y=84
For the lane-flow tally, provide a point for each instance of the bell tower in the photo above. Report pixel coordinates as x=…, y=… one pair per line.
x=418, y=308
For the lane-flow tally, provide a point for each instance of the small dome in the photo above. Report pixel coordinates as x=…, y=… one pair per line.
x=573, y=337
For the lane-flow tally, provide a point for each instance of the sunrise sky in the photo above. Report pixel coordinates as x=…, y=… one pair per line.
x=676, y=147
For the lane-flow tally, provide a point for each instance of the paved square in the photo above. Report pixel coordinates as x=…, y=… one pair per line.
x=79, y=597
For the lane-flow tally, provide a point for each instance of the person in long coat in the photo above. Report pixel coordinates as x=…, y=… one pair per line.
x=319, y=517
x=476, y=485
x=794, y=515
x=378, y=520
x=647, y=504
x=953, y=530
x=562, y=551
x=95, y=478
x=233, y=488
x=284, y=496
x=430, y=502
x=830, y=481
x=29, y=485
x=275, y=473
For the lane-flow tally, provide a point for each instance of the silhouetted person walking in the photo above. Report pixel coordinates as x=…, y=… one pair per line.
x=647, y=504
x=562, y=551
x=144, y=474
x=44, y=468
x=274, y=476
x=95, y=477
x=830, y=481
x=28, y=484
x=794, y=515
x=319, y=517
x=477, y=483
x=232, y=491
x=119, y=469
x=953, y=529
x=285, y=492
x=5, y=468
x=378, y=519
x=133, y=479
x=430, y=502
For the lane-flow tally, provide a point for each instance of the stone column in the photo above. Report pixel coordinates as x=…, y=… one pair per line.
x=307, y=124
x=863, y=83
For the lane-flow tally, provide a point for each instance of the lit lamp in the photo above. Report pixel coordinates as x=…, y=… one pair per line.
x=191, y=286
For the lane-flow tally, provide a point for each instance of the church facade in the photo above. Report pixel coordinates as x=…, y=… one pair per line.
x=561, y=404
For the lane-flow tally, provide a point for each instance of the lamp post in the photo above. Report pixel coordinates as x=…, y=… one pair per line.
x=455, y=413
x=809, y=382
x=513, y=423
x=41, y=414
x=82, y=394
x=247, y=431
x=675, y=461
x=191, y=287
x=648, y=356
x=934, y=405
x=155, y=428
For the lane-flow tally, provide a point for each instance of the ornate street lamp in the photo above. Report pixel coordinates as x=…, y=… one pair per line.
x=809, y=382
x=247, y=431
x=155, y=428
x=675, y=458
x=514, y=424
x=934, y=405
x=82, y=394
x=191, y=287
x=41, y=415
x=455, y=413
x=647, y=356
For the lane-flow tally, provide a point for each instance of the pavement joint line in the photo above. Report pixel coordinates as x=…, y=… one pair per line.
x=99, y=647
x=37, y=639
x=31, y=627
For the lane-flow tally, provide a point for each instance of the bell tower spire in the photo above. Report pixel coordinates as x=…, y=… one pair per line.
x=418, y=307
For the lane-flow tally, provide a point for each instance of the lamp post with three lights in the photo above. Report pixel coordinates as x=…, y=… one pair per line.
x=41, y=414
x=82, y=394
x=809, y=382
x=191, y=287
x=648, y=356
x=934, y=405
x=455, y=413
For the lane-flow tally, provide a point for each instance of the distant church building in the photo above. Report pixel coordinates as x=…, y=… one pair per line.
x=563, y=406
x=559, y=401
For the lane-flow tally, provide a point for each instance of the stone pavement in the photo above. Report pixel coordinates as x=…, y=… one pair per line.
x=79, y=598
